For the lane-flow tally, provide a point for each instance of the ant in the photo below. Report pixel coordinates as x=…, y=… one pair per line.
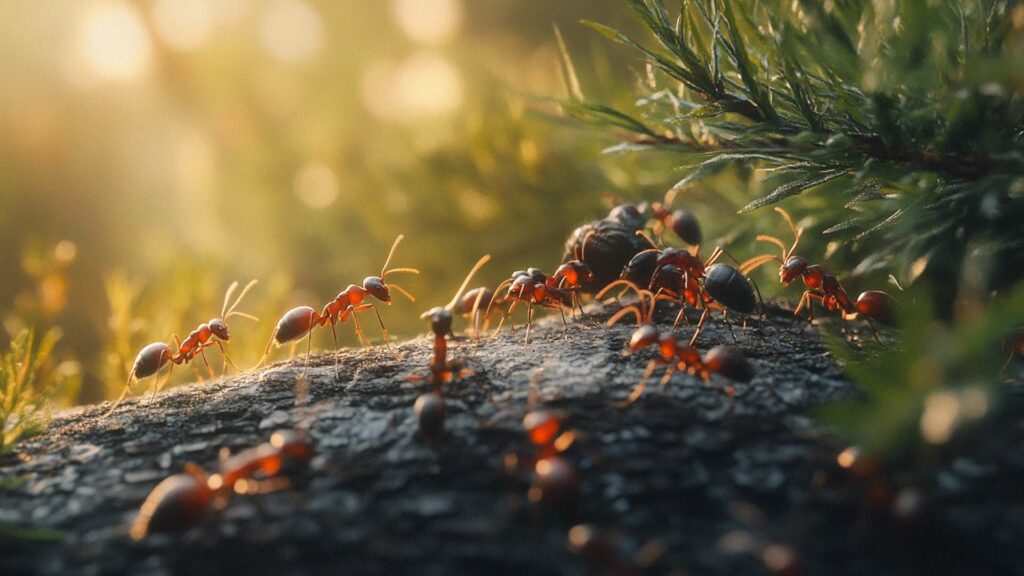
x=679, y=275
x=821, y=286
x=154, y=356
x=535, y=288
x=554, y=478
x=301, y=320
x=572, y=275
x=430, y=407
x=723, y=360
x=182, y=500
x=683, y=223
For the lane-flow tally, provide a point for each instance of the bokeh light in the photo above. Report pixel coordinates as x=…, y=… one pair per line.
x=427, y=21
x=316, y=186
x=113, y=42
x=183, y=24
x=291, y=31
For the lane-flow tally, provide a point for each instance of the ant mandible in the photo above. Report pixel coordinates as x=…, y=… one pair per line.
x=821, y=286
x=430, y=407
x=182, y=500
x=213, y=333
x=301, y=320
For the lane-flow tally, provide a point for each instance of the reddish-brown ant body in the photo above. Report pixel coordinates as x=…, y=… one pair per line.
x=154, y=356
x=873, y=305
x=183, y=500
x=555, y=480
x=430, y=407
x=726, y=361
x=533, y=287
x=301, y=321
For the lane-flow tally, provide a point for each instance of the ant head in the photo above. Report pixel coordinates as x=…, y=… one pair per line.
x=643, y=337
x=219, y=329
x=670, y=277
x=521, y=286
x=440, y=320
x=377, y=288
x=792, y=268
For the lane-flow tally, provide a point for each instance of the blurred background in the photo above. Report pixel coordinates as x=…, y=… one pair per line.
x=151, y=152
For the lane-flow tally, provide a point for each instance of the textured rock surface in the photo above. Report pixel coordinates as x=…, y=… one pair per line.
x=678, y=471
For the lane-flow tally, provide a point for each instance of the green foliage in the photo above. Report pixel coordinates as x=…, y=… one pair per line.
x=26, y=385
x=898, y=125
x=939, y=378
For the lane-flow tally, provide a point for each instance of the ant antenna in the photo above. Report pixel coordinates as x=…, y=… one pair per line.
x=226, y=312
x=644, y=235
x=476, y=267
x=384, y=269
x=581, y=252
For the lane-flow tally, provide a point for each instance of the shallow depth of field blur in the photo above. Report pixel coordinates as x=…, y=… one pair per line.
x=152, y=152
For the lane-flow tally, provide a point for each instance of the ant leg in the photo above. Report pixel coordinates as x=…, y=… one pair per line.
x=529, y=321
x=363, y=341
x=667, y=376
x=700, y=326
x=383, y=329
x=266, y=353
x=760, y=300
x=680, y=316
x=508, y=314
x=725, y=316
x=309, y=345
x=639, y=389
x=334, y=335
x=1013, y=354
x=292, y=348
x=874, y=332
x=167, y=380
x=227, y=359
x=565, y=327
x=131, y=375
x=622, y=313
x=202, y=352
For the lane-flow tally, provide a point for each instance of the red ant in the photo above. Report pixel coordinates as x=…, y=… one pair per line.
x=723, y=360
x=300, y=321
x=821, y=286
x=683, y=223
x=554, y=477
x=572, y=275
x=535, y=288
x=430, y=407
x=213, y=333
x=475, y=301
x=182, y=500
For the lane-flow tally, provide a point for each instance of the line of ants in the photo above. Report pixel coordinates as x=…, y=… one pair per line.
x=656, y=273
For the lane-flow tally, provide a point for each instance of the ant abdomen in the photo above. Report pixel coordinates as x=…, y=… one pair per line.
x=176, y=504
x=730, y=288
x=729, y=362
x=876, y=305
x=430, y=412
x=151, y=359
x=294, y=324
x=686, y=226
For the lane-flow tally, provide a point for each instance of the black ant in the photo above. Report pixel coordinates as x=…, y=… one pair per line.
x=821, y=286
x=430, y=407
x=300, y=321
x=680, y=276
x=182, y=500
x=154, y=356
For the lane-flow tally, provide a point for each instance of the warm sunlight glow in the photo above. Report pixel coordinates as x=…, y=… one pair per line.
x=183, y=24
x=425, y=83
x=113, y=42
x=427, y=21
x=316, y=185
x=428, y=83
x=291, y=31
